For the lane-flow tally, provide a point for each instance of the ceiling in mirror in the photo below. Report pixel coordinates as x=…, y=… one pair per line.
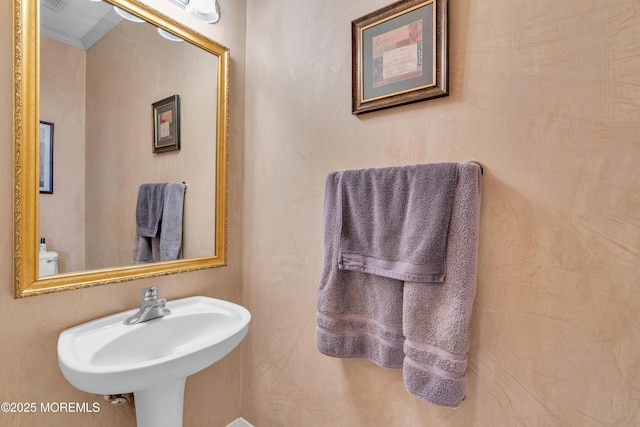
x=78, y=23
x=101, y=77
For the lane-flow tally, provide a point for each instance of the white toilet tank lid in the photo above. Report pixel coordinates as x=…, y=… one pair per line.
x=48, y=254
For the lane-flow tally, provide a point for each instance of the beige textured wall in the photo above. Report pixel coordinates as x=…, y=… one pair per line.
x=29, y=327
x=128, y=70
x=62, y=102
x=547, y=95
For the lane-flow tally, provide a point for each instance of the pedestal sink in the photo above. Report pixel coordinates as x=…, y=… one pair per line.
x=152, y=359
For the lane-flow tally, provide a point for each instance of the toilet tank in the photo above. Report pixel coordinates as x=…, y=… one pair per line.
x=48, y=263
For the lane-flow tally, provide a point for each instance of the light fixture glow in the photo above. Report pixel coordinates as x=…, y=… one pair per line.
x=204, y=10
x=167, y=35
x=126, y=15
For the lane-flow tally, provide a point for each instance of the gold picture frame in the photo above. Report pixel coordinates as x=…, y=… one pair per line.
x=46, y=157
x=166, y=124
x=399, y=55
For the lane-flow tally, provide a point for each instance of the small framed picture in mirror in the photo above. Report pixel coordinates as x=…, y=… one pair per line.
x=166, y=124
x=46, y=157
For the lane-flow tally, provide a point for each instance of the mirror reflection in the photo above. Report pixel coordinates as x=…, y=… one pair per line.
x=115, y=106
x=102, y=70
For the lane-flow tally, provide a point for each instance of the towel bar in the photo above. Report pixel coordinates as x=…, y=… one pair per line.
x=481, y=167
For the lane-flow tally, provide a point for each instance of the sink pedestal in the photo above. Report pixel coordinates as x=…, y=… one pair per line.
x=160, y=406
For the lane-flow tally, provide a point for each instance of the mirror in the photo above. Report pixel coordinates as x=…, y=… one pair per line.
x=105, y=150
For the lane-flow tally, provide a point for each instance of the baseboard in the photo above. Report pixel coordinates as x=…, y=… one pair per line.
x=240, y=422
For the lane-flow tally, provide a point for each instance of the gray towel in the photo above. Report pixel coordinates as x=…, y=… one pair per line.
x=359, y=314
x=436, y=317
x=167, y=243
x=171, y=228
x=395, y=221
x=149, y=209
x=367, y=316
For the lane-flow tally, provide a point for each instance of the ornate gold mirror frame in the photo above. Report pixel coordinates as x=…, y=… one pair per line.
x=26, y=66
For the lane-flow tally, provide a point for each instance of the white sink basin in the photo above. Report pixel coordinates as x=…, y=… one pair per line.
x=151, y=359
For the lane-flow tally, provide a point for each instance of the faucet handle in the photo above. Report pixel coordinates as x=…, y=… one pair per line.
x=149, y=293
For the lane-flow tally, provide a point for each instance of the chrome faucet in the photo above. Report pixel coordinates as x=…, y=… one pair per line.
x=150, y=307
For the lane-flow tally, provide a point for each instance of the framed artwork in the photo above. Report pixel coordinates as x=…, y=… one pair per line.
x=166, y=124
x=46, y=157
x=399, y=55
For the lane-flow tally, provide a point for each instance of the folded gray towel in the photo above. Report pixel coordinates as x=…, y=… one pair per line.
x=149, y=209
x=436, y=317
x=146, y=249
x=395, y=221
x=367, y=316
x=359, y=314
x=166, y=244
